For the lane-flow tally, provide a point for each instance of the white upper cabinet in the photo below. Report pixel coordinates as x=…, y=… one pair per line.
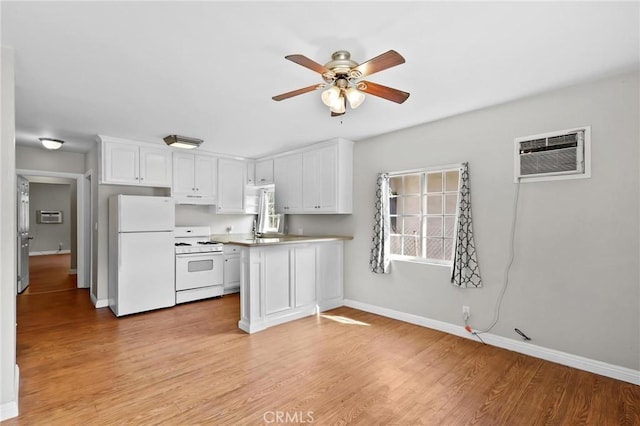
x=126, y=162
x=264, y=172
x=194, y=177
x=251, y=172
x=317, y=179
x=231, y=182
x=287, y=174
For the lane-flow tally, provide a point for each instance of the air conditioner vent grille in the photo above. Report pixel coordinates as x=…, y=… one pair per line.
x=556, y=155
x=559, y=160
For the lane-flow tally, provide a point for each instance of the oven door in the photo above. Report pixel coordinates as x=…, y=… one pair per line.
x=195, y=270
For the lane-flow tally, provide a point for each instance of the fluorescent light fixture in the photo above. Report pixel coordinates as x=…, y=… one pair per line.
x=51, y=143
x=177, y=141
x=355, y=97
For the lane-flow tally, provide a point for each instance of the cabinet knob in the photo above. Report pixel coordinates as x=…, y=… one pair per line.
x=262, y=180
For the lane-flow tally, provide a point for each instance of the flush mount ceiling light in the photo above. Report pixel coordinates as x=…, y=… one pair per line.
x=51, y=143
x=342, y=80
x=177, y=141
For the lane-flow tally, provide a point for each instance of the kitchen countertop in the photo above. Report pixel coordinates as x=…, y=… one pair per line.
x=248, y=240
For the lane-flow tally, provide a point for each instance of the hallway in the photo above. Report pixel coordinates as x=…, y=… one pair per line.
x=50, y=273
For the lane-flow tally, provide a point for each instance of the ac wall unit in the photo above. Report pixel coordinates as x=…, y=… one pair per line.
x=564, y=154
x=48, y=216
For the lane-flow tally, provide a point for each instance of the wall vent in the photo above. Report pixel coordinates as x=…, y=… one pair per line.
x=564, y=154
x=48, y=216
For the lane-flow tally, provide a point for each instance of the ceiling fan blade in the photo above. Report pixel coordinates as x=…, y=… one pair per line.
x=308, y=63
x=381, y=62
x=298, y=92
x=395, y=95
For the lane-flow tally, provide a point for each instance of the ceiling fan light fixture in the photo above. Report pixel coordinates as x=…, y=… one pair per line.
x=331, y=96
x=184, y=142
x=339, y=107
x=51, y=143
x=355, y=97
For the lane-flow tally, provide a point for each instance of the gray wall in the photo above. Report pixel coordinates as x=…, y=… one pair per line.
x=50, y=196
x=50, y=161
x=8, y=243
x=574, y=285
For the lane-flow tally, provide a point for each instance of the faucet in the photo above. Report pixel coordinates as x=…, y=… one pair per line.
x=256, y=234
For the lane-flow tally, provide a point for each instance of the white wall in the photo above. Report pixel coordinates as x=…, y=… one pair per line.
x=49, y=196
x=187, y=215
x=8, y=377
x=574, y=285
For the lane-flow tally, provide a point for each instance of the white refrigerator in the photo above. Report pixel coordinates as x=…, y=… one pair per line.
x=141, y=253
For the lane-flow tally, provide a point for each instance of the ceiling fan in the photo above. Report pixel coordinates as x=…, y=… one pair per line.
x=342, y=78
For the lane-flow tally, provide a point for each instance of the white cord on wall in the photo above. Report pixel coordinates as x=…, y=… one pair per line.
x=507, y=269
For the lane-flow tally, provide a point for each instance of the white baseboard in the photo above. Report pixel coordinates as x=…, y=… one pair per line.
x=99, y=303
x=73, y=272
x=9, y=409
x=559, y=357
x=42, y=253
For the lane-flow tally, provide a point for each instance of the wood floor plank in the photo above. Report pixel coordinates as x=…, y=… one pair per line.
x=191, y=365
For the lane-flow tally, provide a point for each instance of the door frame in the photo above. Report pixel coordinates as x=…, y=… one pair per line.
x=82, y=217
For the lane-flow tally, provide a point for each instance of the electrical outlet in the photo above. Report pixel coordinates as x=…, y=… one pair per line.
x=466, y=311
x=60, y=246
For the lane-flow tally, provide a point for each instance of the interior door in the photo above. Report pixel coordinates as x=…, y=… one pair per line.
x=23, y=233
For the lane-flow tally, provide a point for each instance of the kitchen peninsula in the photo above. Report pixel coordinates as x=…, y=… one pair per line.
x=287, y=277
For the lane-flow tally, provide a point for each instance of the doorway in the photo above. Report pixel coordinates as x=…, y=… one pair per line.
x=78, y=243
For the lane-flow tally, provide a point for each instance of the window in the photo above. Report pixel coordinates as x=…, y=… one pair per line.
x=423, y=206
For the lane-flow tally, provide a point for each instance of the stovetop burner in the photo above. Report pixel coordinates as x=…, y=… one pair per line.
x=204, y=243
x=182, y=244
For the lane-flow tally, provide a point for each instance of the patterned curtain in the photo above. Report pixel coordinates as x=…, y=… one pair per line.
x=380, y=252
x=465, y=271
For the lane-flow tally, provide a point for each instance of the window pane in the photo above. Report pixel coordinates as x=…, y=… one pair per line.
x=411, y=226
x=449, y=226
x=395, y=185
x=434, y=182
x=434, y=204
x=448, y=247
x=395, y=245
x=450, y=203
x=394, y=225
x=411, y=205
x=451, y=180
x=434, y=248
x=411, y=246
x=412, y=184
x=434, y=226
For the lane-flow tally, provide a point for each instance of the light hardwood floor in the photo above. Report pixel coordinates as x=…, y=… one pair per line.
x=191, y=365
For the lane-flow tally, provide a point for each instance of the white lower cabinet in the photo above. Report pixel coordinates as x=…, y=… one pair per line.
x=231, y=269
x=282, y=283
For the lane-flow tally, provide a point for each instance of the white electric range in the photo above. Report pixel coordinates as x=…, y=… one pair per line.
x=199, y=264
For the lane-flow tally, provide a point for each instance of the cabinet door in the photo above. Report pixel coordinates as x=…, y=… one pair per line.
x=183, y=173
x=121, y=163
x=231, y=271
x=205, y=176
x=319, y=179
x=155, y=167
x=251, y=173
x=288, y=181
x=305, y=275
x=231, y=175
x=327, y=175
x=264, y=172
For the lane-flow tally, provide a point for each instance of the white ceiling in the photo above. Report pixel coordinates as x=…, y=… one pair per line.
x=143, y=70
